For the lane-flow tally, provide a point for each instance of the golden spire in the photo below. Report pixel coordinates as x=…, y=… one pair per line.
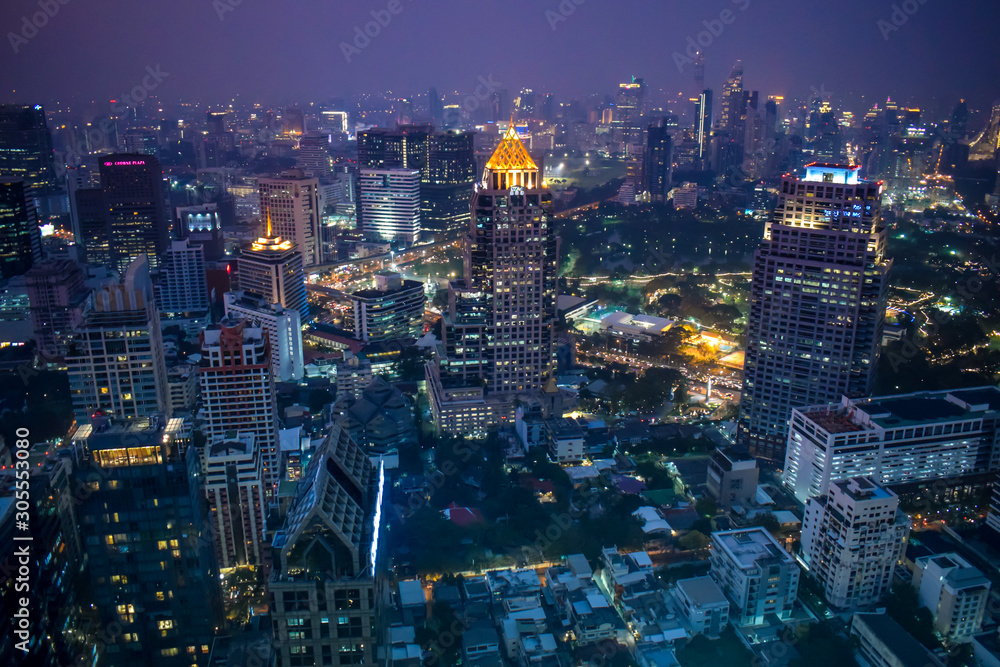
x=511, y=154
x=268, y=235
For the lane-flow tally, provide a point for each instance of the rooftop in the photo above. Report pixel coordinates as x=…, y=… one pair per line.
x=751, y=546
x=906, y=649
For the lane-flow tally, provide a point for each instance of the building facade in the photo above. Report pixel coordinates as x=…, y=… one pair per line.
x=818, y=301
x=389, y=204
x=20, y=237
x=115, y=358
x=852, y=539
x=325, y=595
x=758, y=577
x=293, y=203
x=894, y=440
x=732, y=477
x=283, y=327
x=270, y=268
x=234, y=487
x=498, y=327
x=956, y=593
x=237, y=389
x=392, y=309
x=133, y=196
x=58, y=297
x=182, y=285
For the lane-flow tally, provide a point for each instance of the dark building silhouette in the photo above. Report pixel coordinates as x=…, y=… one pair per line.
x=20, y=238
x=132, y=184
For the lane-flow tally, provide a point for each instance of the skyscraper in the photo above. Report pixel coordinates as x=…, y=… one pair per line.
x=271, y=268
x=234, y=488
x=703, y=127
x=817, y=303
x=389, y=204
x=237, y=389
x=115, y=359
x=294, y=205
x=58, y=297
x=20, y=238
x=393, y=309
x=732, y=97
x=447, y=183
x=657, y=163
x=91, y=226
x=146, y=538
x=283, y=327
x=851, y=541
x=324, y=586
x=498, y=327
x=132, y=186
x=26, y=148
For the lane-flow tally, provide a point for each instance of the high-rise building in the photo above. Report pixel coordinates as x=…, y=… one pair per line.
x=630, y=108
x=498, y=327
x=732, y=477
x=901, y=439
x=446, y=185
x=26, y=148
x=852, y=539
x=756, y=574
x=657, y=162
x=234, y=487
x=283, y=327
x=58, y=296
x=147, y=542
x=20, y=237
x=201, y=225
x=402, y=148
x=92, y=230
x=314, y=158
x=732, y=96
x=389, y=204
x=139, y=140
x=955, y=592
x=115, y=358
x=703, y=127
x=324, y=588
x=293, y=201
x=132, y=186
x=237, y=389
x=182, y=288
x=271, y=268
x=817, y=302
x=392, y=309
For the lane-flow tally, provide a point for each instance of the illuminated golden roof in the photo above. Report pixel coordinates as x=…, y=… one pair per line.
x=511, y=154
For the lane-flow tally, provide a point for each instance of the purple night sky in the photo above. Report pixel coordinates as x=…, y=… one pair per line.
x=290, y=51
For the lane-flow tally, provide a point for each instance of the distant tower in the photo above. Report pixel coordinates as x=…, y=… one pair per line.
x=817, y=303
x=389, y=204
x=732, y=97
x=699, y=72
x=293, y=200
x=20, y=237
x=57, y=295
x=26, y=149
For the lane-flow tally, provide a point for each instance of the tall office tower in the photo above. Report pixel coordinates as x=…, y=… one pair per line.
x=146, y=538
x=142, y=141
x=699, y=72
x=271, y=268
x=732, y=98
x=901, y=439
x=237, y=389
x=818, y=300
x=283, y=327
x=852, y=539
x=955, y=592
x=758, y=139
x=498, y=328
x=434, y=107
x=402, y=148
x=325, y=586
x=294, y=206
x=201, y=226
x=293, y=121
x=94, y=232
x=26, y=148
x=756, y=574
x=57, y=296
x=392, y=309
x=52, y=629
x=447, y=183
x=630, y=109
x=115, y=359
x=217, y=122
x=182, y=288
x=314, y=158
x=133, y=198
x=389, y=204
x=657, y=167
x=335, y=121
x=525, y=103
x=20, y=237
x=234, y=487
x=703, y=127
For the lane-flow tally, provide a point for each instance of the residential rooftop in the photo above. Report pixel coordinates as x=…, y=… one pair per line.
x=751, y=546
